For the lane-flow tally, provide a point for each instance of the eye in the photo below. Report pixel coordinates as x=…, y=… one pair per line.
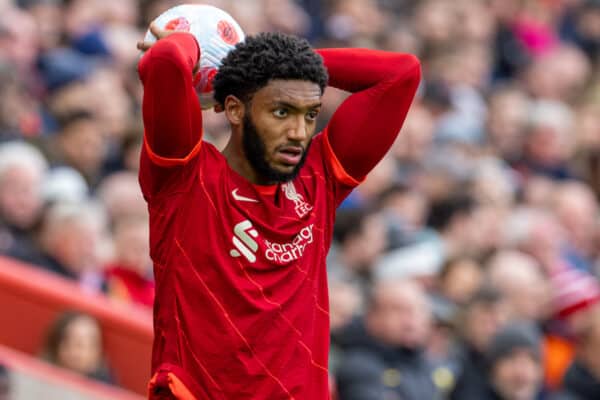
x=312, y=115
x=280, y=113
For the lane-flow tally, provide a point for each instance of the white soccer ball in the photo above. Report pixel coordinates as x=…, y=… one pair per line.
x=216, y=32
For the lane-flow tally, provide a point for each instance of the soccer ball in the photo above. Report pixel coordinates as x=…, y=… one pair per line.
x=216, y=33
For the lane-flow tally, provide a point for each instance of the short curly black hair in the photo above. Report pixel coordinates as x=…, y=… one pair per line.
x=263, y=57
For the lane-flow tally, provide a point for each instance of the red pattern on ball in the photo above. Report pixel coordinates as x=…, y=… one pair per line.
x=178, y=24
x=227, y=32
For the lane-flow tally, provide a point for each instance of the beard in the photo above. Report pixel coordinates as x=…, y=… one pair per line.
x=255, y=151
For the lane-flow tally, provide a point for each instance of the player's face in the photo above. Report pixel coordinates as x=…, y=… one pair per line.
x=279, y=126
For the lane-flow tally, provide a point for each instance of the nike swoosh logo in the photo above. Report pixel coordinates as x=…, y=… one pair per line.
x=239, y=197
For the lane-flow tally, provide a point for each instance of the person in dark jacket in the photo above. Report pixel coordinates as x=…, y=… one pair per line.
x=515, y=367
x=484, y=314
x=582, y=380
x=384, y=356
x=580, y=383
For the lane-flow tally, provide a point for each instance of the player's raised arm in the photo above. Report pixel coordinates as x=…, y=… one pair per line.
x=383, y=84
x=171, y=110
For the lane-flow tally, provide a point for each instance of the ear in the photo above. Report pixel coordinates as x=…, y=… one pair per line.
x=234, y=110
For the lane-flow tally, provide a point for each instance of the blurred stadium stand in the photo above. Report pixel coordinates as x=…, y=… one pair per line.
x=34, y=379
x=32, y=299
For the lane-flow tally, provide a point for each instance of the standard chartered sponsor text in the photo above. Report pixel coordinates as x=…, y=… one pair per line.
x=285, y=252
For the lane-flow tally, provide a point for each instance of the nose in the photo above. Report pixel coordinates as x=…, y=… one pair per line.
x=298, y=130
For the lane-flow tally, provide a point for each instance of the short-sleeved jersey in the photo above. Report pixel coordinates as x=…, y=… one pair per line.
x=241, y=307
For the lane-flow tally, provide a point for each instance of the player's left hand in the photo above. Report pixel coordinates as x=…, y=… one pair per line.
x=158, y=34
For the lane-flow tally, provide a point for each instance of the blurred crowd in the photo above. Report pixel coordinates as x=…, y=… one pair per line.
x=464, y=267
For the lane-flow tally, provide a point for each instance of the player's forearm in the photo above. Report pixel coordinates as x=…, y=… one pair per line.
x=364, y=127
x=171, y=111
x=355, y=70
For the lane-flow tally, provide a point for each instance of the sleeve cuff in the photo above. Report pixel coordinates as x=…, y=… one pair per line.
x=170, y=162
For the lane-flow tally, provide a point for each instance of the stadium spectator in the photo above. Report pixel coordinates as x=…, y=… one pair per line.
x=507, y=121
x=585, y=160
x=520, y=279
x=452, y=218
x=384, y=352
x=129, y=275
x=374, y=184
x=580, y=27
x=536, y=231
x=420, y=261
x=459, y=280
x=19, y=109
x=414, y=142
x=565, y=61
x=514, y=364
x=74, y=342
x=64, y=185
x=575, y=294
x=574, y=202
x=359, y=239
x=70, y=243
x=548, y=143
x=22, y=170
x=582, y=379
x=484, y=314
x=405, y=210
x=80, y=144
x=494, y=185
x=120, y=196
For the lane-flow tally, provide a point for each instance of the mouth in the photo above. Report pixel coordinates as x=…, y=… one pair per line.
x=290, y=155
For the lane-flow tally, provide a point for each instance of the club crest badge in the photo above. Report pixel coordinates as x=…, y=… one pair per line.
x=300, y=206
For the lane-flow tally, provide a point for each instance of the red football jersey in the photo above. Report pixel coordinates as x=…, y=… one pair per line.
x=242, y=305
x=241, y=309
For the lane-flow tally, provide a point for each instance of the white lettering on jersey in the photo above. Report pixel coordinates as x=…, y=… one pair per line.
x=281, y=253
